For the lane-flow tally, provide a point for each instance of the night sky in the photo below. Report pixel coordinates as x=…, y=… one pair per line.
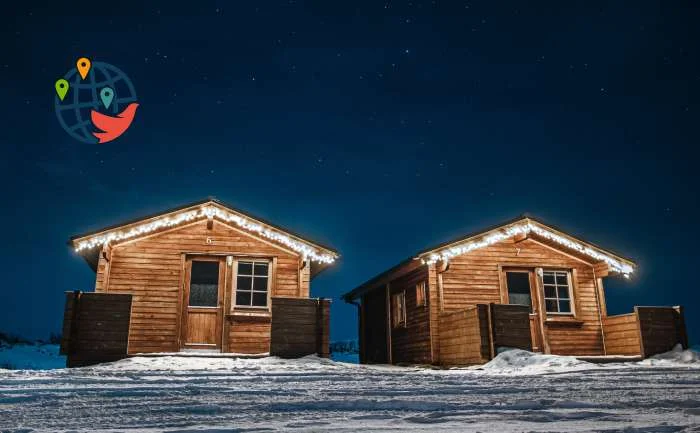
x=380, y=128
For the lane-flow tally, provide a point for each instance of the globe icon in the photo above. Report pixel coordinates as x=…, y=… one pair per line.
x=74, y=111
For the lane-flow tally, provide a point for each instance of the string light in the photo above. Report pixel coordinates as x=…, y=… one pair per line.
x=307, y=251
x=523, y=229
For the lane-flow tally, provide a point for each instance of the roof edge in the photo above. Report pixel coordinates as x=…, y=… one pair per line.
x=72, y=240
x=366, y=286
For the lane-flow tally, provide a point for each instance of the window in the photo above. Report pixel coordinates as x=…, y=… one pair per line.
x=557, y=292
x=420, y=294
x=252, y=283
x=519, y=288
x=204, y=284
x=398, y=309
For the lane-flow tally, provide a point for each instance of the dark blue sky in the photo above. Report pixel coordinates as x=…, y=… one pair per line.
x=380, y=128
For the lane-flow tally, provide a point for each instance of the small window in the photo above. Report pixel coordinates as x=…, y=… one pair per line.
x=398, y=309
x=519, y=288
x=557, y=292
x=420, y=294
x=204, y=284
x=252, y=283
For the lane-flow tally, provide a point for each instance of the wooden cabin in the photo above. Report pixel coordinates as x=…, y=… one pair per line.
x=519, y=284
x=204, y=276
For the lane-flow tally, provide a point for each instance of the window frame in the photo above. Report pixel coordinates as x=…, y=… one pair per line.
x=556, y=285
x=234, y=283
x=421, y=294
x=398, y=316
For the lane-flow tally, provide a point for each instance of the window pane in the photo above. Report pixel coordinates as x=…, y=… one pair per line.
x=519, y=288
x=551, y=306
x=260, y=299
x=548, y=277
x=550, y=292
x=563, y=292
x=242, y=298
x=561, y=279
x=261, y=269
x=260, y=284
x=244, y=283
x=564, y=306
x=204, y=284
x=245, y=268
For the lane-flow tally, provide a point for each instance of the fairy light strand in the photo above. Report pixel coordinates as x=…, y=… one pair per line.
x=523, y=229
x=306, y=250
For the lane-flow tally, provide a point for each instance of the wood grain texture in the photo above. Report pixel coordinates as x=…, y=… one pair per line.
x=622, y=335
x=97, y=328
x=151, y=269
x=461, y=339
x=511, y=326
x=375, y=327
x=411, y=343
x=660, y=328
x=474, y=278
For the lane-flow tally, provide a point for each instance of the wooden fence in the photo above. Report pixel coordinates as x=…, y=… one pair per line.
x=95, y=327
x=300, y=327
x=645, y=332
x=473, y=335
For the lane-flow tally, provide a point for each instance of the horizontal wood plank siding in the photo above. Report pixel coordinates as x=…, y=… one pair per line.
x=375, y=327
x=150, y=268
x=294, y=327
x=622, y=335
x=249, y=335
x=661, y=328
x=411, y=343
x=461, y=339
x=96, y=329
x=511, y=326
x=474, y=278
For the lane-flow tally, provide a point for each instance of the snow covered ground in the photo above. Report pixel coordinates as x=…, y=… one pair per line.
x=517, y=391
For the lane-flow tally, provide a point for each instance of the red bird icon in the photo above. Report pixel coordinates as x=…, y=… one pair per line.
x=113, y=127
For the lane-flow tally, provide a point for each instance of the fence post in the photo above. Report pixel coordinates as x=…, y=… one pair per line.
x=492, y=343
x=640, y=333
x=323, y=327
x=74, y=327
x=681, y=331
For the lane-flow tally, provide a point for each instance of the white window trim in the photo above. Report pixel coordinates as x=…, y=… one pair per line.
x=556, y=290
x=234, y=284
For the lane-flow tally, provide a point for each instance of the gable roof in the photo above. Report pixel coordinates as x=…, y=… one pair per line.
x=524, y=224
x=87, y=244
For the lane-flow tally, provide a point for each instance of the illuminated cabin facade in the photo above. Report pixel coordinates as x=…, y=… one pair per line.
x=519, y=284
x=205, y=276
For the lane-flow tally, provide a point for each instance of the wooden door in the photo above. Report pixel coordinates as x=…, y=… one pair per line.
x=521, y=288
x=203, y=303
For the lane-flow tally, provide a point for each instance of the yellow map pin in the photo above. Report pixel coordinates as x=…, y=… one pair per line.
x=83, y=65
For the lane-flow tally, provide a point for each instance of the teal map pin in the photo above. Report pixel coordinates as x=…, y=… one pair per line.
x=106, y=94
x=62, y=87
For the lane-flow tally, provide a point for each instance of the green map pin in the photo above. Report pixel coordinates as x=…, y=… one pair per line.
x=106, y=94
x=62, y=87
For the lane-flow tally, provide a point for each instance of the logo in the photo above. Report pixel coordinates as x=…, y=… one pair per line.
x=95, y=102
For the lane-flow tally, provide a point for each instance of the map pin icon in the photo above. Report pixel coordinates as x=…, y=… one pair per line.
x=62, y=87
x=83, y=65
x=106, y=94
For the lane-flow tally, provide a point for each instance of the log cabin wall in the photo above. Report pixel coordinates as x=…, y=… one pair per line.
x=476, y=277
x=374, y=334
x=151, y=268
x=411, y=343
